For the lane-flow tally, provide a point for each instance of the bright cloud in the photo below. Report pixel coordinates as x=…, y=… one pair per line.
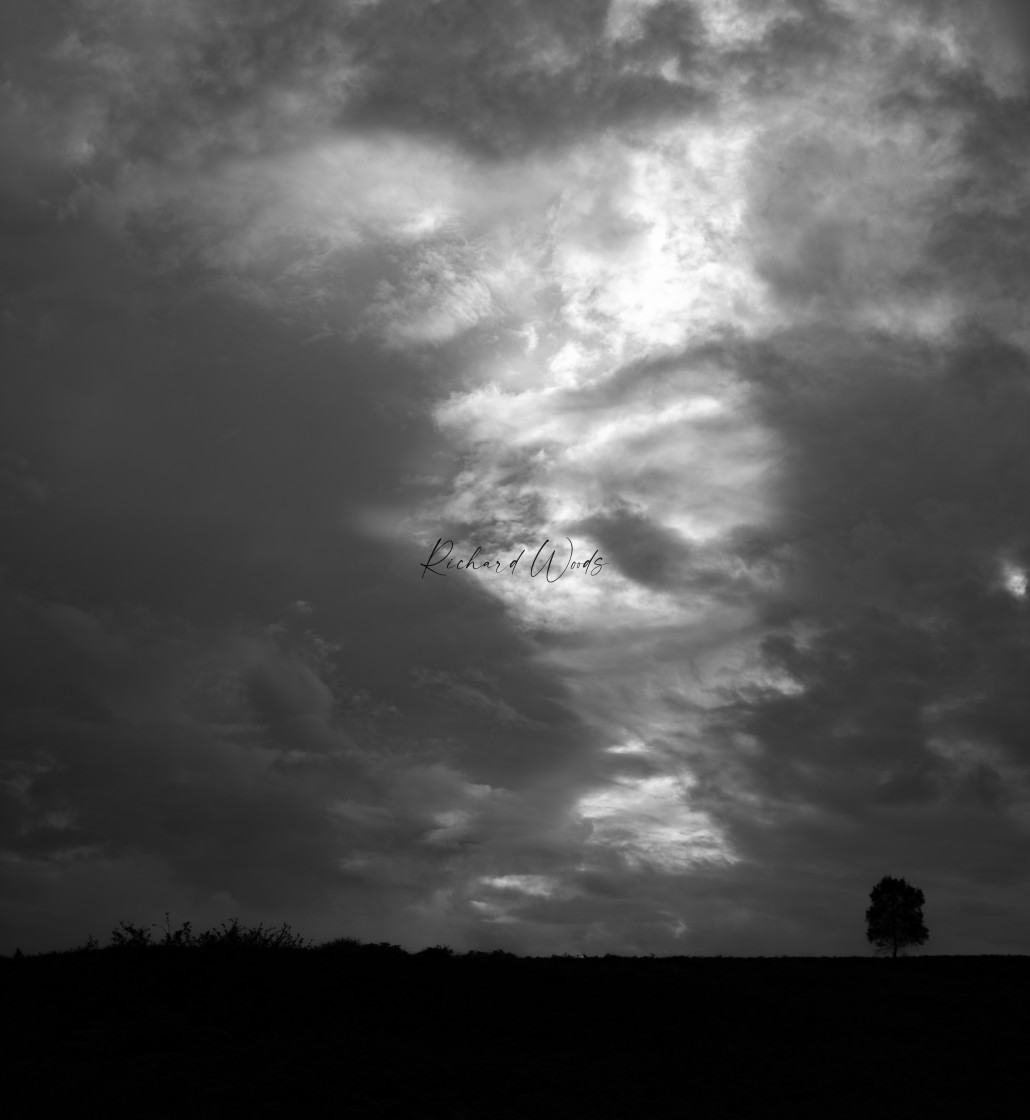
x=647, y=821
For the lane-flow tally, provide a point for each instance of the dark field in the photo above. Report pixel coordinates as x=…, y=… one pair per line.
x=374, y=1032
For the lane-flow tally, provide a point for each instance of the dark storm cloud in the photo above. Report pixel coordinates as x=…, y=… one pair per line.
x=901, y=739
x=242, y=762
x=902, y=499
x=130, y=737
x=903, y=495
x=178, y=733
x=657, y=557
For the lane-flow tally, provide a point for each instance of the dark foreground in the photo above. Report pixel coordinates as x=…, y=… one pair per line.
x=374, y=1033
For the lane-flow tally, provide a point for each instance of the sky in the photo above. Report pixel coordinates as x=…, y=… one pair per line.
x=724, y=302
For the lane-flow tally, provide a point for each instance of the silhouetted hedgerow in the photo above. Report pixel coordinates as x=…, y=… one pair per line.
x=227, y=936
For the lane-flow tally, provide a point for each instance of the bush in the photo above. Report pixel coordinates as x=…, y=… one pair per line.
x=127, y=936
x=383, y=949
x=231, y=935
x=436, y=952
x=228, y=936
x=340, y=945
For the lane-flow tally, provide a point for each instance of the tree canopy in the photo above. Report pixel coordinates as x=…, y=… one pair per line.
x=895, y=918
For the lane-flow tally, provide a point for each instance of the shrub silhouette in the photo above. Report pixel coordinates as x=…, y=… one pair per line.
x=490, y=955
x=340, y=945
x=895, y=919
x=127, y=936
x=229, y=936
x=383, y=950
x=436, y=952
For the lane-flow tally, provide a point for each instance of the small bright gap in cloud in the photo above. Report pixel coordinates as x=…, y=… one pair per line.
x=542, y=886
x=633, y=746
x=677, y=926
x=647, y=822
x=1014, y=579
x=452, y=825
x=509, y=893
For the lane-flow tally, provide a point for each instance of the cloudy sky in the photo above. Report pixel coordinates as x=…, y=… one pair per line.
x=731, y=295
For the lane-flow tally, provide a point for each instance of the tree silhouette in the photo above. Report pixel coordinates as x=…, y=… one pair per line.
x=895, y=918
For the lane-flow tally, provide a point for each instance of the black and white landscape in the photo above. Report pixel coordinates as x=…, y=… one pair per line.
x=530, y=477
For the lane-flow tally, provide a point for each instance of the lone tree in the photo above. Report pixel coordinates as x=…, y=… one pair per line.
x=895, y=918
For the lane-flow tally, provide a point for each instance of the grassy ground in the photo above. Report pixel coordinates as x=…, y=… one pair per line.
x=374, y=1032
